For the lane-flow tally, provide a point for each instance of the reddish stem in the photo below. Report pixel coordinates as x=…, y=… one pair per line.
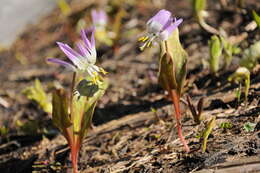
x=176, y=104
x=74, y=155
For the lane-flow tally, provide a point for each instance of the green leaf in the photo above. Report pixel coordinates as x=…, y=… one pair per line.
x=251, y=56
x=215, y=53
x=229, y=50
x=249, y=127
x=60, y=115
x=83, y=109
x=256, y=18
x=172, y=65
x=226, y=125
x=206, y=133
x=87, y=88
x=37, y=94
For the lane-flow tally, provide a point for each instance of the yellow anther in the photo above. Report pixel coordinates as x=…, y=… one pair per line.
x=143, y=39
x=149, y=44
x=103, y=71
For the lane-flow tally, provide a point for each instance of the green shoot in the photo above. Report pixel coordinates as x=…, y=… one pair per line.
x=225, y=126
x=64, y=7
x=196, y=112
x=215, y=53
x=200, y=13
x=241, y=76
x=3, y=131
x=256, y=18
x=251, y=56
x=249, y=127
x=206, y=133
x=37, y=94
x=229, y=50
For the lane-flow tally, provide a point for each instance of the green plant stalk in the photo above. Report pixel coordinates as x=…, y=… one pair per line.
x=206, y=26
x=176, y=105
x=207, y=132
x=215, y=53
x=74, y=144
x=238, y=94
x=247, y=86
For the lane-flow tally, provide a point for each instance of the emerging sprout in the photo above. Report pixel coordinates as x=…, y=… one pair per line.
x=229, y=50
x=251, y=56
x=249, y=127
x=215, y=53
x=64, y=7
x=196, y=112
x=256, y=18
x=199, y=9
x=206, y=133
x=37, y=94
x=242, y=75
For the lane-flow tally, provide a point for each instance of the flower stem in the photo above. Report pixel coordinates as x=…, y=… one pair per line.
x=176, y=104
x=74, y=158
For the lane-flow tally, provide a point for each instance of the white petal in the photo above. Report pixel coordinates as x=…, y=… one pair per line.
x=154, y=27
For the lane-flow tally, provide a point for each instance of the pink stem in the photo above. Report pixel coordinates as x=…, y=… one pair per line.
x=176, y=104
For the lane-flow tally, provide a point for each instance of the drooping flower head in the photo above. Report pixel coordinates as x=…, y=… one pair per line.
x=84, y=60
x=160, y=27
x=99, y=18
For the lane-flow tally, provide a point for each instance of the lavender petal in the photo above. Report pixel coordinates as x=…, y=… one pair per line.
x=71, y=54
x=63, y=63
x=162, y=17
x=85, y=39
x=173, y=26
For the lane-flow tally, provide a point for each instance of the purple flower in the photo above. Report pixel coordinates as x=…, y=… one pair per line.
x=82, y=61
x=160, y=27
x=99, y=18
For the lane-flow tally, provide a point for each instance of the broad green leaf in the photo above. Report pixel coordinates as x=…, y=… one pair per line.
x=60, y=115
x=172, y=65
x=167, y=77
x=215, y=53
x=87, y=88
x=206, y=133
x=256, y=18
x=37, y=94
x=83, y=109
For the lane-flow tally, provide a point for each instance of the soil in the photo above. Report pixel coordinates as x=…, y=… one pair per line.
x=127, y=136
